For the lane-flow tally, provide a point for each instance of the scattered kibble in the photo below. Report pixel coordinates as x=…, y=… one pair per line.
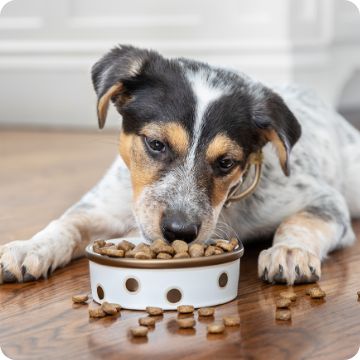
x=317, y=293
x=283, y=303
x=185, y=309
x=110, y=309
x=283, y=314
x=207, y=311
x=139, y=331
x=147, y=321
x=231, y=320
x=80, y=299
x=288, y=295
x=216, y=328
x=186, y=323
x=153, y=311
x=96, y=312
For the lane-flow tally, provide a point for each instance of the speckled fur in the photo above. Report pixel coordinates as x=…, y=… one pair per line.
x=324, y=185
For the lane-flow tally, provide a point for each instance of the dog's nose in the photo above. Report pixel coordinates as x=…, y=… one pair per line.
x=175, y=227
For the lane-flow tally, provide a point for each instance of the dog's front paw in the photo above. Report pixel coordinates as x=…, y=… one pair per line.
x=290, y=265
x=19, y=262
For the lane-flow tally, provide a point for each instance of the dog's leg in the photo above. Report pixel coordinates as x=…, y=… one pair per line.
x=304, y=239
x=103, y=212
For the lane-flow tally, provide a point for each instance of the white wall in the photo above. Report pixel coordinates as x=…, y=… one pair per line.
x=48, y=46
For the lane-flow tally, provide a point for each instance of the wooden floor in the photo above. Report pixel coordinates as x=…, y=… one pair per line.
x=43, y=173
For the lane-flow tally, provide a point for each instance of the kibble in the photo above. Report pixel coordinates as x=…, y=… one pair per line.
x=164, y=256
x=147, y=321
x=317, y=293
x=110, y=309
x=80, y=299
x=196, y=250
x=283, y=303
x=210, y=250
x=186, y=323
x=153, y=311
x=207, y=311
x=225, y=245
x=180, y=246
x=283, y=314
x=96, y=312
x=160, y=249
x=185, y=309
x=112, y=251
x=215, y=328
x=139, y=331
x=184, y=255
x=231, y=320
x=125, y=245
x=288, y=295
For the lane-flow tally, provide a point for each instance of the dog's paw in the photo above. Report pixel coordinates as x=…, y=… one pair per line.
x=283, y=264
x=20, y=262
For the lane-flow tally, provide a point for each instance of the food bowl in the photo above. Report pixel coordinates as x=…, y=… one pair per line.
x=136, y=284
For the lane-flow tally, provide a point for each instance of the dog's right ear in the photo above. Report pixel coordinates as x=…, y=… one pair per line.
x=119, y=65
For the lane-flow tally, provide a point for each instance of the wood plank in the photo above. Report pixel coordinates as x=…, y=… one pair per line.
x=42, y=173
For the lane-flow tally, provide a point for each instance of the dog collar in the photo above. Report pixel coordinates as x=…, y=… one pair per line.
x=256, y=160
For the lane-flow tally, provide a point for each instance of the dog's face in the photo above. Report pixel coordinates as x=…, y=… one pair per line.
x=187, y=133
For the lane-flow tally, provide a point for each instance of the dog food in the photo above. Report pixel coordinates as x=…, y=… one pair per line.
x=110, y=309
x=283, y=314
x=180, y=246
x=163, y=256
x=316, y=293
x=282, y=303
x=160, y=249
x=147, y=321
x=80, y=299
x=231, y=320
x=216, y=328
x=186, y=323
x=288, y=295
x=96, y=312
x=153, y=311
x=196, y=250
x=185, y=309
x=207, y=311
x=139, y=331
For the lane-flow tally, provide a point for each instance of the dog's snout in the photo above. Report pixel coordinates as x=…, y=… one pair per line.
x=175, y=226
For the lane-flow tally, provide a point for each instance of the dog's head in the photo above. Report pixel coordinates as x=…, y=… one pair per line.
x=187, y=133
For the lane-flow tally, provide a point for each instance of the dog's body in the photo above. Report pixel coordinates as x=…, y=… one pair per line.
x=191, y=175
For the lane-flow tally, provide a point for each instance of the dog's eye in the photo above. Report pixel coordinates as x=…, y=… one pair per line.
x=226, y=164
x=154, y=145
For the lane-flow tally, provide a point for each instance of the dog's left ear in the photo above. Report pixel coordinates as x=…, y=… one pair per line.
x=278, y=125
x=121, y=65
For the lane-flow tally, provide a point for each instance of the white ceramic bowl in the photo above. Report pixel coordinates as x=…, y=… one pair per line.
x=136, y=284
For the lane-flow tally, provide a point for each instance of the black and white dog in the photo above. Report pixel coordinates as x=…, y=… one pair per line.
x=188, y=133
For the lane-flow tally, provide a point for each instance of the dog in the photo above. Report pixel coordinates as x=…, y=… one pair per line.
x=190, y=134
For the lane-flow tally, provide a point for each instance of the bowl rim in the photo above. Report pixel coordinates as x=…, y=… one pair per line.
x=164, y=264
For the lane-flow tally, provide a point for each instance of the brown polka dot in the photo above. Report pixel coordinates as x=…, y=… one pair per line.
x=174, y=295
x=132, y=285
x=223, y=279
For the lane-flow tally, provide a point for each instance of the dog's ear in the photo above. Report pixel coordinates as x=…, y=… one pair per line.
x=278, y=125
x=109, y=75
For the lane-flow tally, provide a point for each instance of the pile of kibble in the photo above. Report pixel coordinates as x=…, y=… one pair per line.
x=108, y=309
x=159, y=249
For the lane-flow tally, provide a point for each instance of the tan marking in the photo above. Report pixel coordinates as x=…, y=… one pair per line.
x=223, y=145
x=221, y=186
x=273, y=137
x=103, y=103
x=308, y=222
x=171, y=132
x=143, y=170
